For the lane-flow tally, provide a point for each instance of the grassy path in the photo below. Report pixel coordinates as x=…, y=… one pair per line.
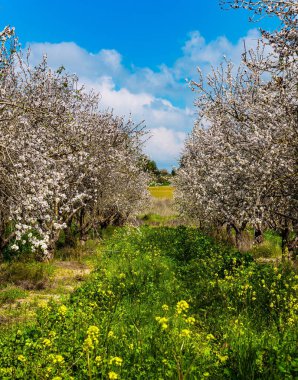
x=163, y=303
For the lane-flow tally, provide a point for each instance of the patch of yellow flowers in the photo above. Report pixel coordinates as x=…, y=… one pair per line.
x=113, y=375
x=182, y=307
x=163, y=321
x=116, y=360
x=62, y=310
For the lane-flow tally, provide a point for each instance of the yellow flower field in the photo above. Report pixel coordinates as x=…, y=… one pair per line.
x=165, y=192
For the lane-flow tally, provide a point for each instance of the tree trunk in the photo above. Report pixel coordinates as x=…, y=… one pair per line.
x=5, y=241
x=229, y=234
x=238, y=238
x=81, y=224
x=258, y=238
x=70, y=240
x=239, y=234
x=293, y=248
x=284, y=242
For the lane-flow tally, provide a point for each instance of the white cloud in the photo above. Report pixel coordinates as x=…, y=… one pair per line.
x=165, y=145
x=78, y=60
x=161, y=97
x=122, y=101
x=197, y=52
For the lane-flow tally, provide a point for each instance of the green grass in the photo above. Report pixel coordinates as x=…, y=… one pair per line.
x=160, y=211
x=269, y=248
x=157, y=219
x=10, y=294
x=26, y=285
x=164, y=303
x=31, y=275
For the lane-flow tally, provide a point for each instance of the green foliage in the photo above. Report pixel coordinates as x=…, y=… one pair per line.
x=158, y=176
x=164, y=303
x=150, y=166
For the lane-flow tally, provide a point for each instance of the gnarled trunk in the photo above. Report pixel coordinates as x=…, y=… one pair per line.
x=285, y=234
x=258, y=236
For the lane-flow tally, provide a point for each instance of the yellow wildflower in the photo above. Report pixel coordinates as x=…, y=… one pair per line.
x=62, y=310
x=163, y=321
x=88, y=344
x=93, y=331
x=92, y=338
x=185, y=333
x=113, y=375
x=291, y=321
x=111, y=334
x=43, y=304
x=21, y=358
x=46, y=342
x=98, y=360
x=190, y=320
x=223, y=358
x=116, y=360
x=56, y=358
x=182, y=306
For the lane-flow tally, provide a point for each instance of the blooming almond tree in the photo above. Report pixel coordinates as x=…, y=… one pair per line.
x=239, y=166
x=284, y=40
x=62, y=161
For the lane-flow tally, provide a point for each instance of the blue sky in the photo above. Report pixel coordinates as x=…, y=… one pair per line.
x=137, y=54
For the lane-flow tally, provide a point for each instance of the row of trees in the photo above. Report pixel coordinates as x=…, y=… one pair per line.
x=62, y=161
x=240, y=164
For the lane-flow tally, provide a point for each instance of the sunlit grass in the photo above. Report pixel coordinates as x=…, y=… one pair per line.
x=166, y=192
x=26, y=285
x=161, y=210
